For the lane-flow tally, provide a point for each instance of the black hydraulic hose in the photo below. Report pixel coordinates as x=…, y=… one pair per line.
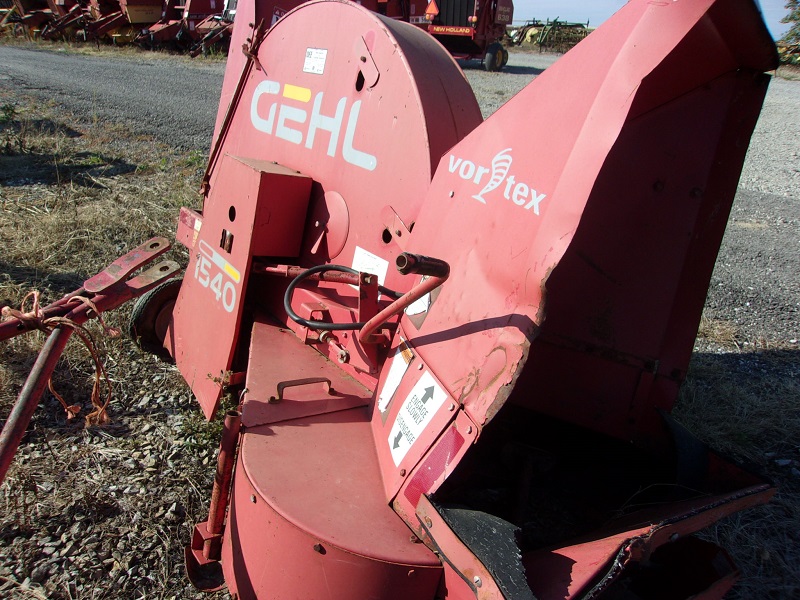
x=322, y=325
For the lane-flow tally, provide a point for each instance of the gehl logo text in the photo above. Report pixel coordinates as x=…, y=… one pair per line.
x=297, y=124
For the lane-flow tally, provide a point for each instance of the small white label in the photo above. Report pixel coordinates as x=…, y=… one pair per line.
x=277, y=13
x=315, y=60
x=367, y=262
x=416, y=413
x=419, y=306
x=399, y=365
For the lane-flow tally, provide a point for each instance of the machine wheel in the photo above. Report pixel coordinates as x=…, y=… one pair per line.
x=493, y=60
x=150, y=318
x=505, y=57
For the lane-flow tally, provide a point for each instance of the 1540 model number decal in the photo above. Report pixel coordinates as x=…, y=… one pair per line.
x=217, y=274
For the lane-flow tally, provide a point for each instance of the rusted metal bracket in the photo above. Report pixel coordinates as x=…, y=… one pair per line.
x=203, y=554
x=251, y=52
x=110, y=290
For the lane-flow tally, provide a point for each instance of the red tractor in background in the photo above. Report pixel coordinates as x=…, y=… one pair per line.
x=466, y=28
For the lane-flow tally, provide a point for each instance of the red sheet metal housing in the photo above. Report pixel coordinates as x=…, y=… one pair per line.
x=516, y=418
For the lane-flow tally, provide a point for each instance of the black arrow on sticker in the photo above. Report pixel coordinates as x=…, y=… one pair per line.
x=427, y=395
x=396, y=443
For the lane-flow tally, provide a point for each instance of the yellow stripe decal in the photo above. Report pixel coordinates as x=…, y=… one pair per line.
x=294, y=92
x=218, y=260
x=232, y=272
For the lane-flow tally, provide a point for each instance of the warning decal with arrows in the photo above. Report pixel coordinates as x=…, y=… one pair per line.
x=425, y=399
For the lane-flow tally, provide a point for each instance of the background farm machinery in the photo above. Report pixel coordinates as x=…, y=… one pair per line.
x=467, y=28
x=551, y=36
x=150, y=23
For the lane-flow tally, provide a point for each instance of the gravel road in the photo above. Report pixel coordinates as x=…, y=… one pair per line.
x=754, y=287
x=170, y=98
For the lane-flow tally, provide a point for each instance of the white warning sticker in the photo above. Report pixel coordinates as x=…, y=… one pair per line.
x=400, y=360
x=367, y=262
x=416, y=412
x=420, y=305
x=315, y=60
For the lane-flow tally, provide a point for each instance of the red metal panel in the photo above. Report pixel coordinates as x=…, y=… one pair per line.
x=381, y=143
x=516, y=208
x=311, y=521
x=251, y=201
x=588, y=259
x=280, y=361
x=433, y=469
x=569, y=571
x=450, y=30
x=504, y=14
x=413, y=408
x=309, y=109
x=648, y=280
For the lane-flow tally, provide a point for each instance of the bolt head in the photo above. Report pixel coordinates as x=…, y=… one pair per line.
x=477, y=581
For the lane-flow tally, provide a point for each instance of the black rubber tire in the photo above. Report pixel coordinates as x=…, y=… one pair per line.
x=504, y=62
x=146, y=311
x=493, y=59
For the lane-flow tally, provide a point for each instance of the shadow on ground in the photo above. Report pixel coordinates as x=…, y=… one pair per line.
x=83, y=169
x=57, y=283
x=477, y=65
x=21, y=164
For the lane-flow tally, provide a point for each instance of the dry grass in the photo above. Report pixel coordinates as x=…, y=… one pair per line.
x=74, y=196
x=717, y=331
x=747, y=405
x=128, y=51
